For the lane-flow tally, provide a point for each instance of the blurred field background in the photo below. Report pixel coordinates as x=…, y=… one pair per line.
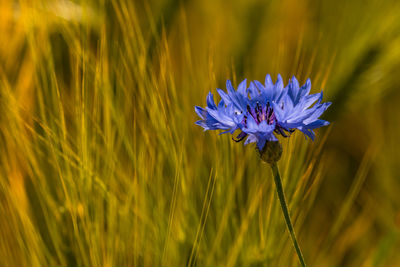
x=101, y=163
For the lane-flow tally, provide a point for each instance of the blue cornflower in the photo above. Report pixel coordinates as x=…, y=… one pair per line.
x=261, y=112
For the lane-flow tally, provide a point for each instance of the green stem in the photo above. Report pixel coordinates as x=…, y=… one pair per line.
x=281, y=195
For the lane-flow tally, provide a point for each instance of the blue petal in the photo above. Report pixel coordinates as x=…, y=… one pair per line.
x=242, y=88
x=317, y=124
x=266, y=92
x=288, y=105
x=293, y=89
x=252, y=126
x=250, y=139
x=201, y=112
x=278, y=88
x=253, y=90
x=279, y=114
x=229, y=88
x=259, y=85
x=210, y=101
x=231, y=131
x=233, y=96
x=309, y=133
x=309, y=100
x=221, y=105
x=305, y=89
x=224, y=97
x=266, y=128
x=221, y=117
x=268, y=81
x=318, y=112
x=261, y=143
x=203, y=124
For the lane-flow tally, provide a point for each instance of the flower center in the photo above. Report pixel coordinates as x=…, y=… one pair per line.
x=260, y=113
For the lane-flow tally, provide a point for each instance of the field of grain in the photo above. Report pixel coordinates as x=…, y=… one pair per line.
x=101, y=163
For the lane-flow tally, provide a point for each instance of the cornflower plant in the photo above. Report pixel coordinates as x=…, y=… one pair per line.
x=261, y=113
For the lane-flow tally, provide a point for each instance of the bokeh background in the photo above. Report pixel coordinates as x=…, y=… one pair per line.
x=101, y=163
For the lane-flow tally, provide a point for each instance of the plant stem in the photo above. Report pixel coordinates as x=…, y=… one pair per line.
x=281, y=195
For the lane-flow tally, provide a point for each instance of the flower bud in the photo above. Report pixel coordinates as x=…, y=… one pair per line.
x=271, y=152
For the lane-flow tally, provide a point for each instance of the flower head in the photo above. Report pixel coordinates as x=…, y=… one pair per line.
x=261, y=112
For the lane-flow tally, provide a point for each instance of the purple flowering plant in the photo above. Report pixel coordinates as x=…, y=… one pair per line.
x=262, y=112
